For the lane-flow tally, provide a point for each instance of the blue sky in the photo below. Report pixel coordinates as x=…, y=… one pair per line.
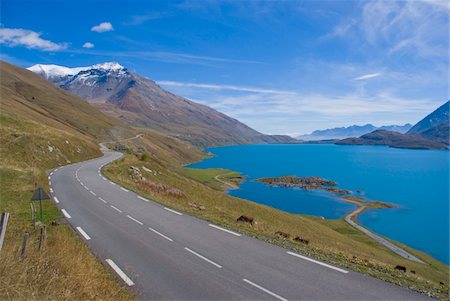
x=282, y=67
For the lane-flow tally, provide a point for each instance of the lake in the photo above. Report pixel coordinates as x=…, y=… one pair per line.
x=417, y=181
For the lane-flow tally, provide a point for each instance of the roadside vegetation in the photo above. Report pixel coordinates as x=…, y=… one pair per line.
x=160, y=175
x=40, y=131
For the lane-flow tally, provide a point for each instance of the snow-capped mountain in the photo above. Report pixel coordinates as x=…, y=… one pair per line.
x=140, y=101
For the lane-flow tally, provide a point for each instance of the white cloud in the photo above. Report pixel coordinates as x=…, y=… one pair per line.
x=88, y=45
x=225, y=87
x=302, y=112
x=103, y=27
x=29, y=39
x=368, y=76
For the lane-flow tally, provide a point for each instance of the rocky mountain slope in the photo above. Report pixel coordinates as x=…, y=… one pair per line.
x=394, y=139
x=141, y=102
x=351, y=131
x=435, y=126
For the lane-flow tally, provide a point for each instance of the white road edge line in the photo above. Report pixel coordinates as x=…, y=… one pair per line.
x=104, y=178
x=265, y=290
x=120, y=272
x=112, y=183
x=93, y=193
x=173, y=211
x=318, y=262
x=223, y=229
x=126, y=190
x=56, y=200
x=51, y=173
x=160, y=234
x=87, y=237
x=132, y=218
x=102, y=200
x=144, y=199
x=204, y=258
x=67, y=215
x=115, y=208
x=51, y=190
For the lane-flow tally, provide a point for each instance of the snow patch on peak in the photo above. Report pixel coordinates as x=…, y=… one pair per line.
x=113, y=66
x=51, y=71
x=54, y=70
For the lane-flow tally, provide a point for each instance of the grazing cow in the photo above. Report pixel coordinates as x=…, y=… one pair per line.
x=283, y=234
x=302, y=240
x=400, y=268
x=245, y=219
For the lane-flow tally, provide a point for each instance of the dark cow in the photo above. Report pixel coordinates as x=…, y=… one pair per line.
x=245, y=219
x=302, y=240
x=283, y=234
x=400, y=268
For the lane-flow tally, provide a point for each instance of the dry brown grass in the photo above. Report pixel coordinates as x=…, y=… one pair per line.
x=64, y=270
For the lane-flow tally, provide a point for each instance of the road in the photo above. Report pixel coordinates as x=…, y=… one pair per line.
x=164, y=254
x=378, y=238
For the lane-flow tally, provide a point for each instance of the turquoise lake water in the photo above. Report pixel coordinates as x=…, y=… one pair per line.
x=415, y=180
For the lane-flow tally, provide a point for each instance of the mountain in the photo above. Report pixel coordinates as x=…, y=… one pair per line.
x=351, y=131
x=435, y=126
x=139, y=101
x=394, y=139
x=41, y=125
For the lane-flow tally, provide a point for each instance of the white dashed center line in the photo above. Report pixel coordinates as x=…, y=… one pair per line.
x=265, y=290
x=160, y=234
x=204, y=258
x=115, y=208
x=93, y=193
x=102, y=200
x=133, y=219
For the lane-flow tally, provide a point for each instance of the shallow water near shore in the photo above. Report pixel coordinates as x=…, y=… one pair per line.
x=415, y=180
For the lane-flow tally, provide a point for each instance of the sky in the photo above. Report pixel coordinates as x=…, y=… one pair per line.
x=281, y=67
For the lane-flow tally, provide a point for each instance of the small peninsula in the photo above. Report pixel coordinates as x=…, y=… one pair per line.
x=318, y=183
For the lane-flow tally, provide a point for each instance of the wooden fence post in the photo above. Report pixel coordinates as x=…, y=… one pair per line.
x=3, y=224
x=42, y=235
x=33, y=214
x=24, y=245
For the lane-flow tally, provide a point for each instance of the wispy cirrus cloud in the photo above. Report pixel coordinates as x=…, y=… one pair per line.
x=13, y=37
x=169, y=57
x=225, y=87
x=368, y=76
x=102, y=27
x=141, y=19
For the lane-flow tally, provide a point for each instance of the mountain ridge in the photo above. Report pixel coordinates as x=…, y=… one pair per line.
x=351, y=131
x=139, y=101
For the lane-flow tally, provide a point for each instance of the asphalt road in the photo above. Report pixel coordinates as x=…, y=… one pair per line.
x=165, y=254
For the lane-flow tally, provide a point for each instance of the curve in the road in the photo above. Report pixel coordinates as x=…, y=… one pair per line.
x=165, y=254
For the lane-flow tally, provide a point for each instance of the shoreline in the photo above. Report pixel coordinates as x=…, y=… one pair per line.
x=351, y=217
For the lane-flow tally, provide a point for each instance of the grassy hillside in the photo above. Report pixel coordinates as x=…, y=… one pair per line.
x=200, y=193
x=42, y=127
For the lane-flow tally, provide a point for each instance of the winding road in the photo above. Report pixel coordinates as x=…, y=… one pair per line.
x=165, y=254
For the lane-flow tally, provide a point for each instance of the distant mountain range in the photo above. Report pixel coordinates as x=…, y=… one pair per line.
x=351, y=131
x=140, y=102
x=432, y=132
